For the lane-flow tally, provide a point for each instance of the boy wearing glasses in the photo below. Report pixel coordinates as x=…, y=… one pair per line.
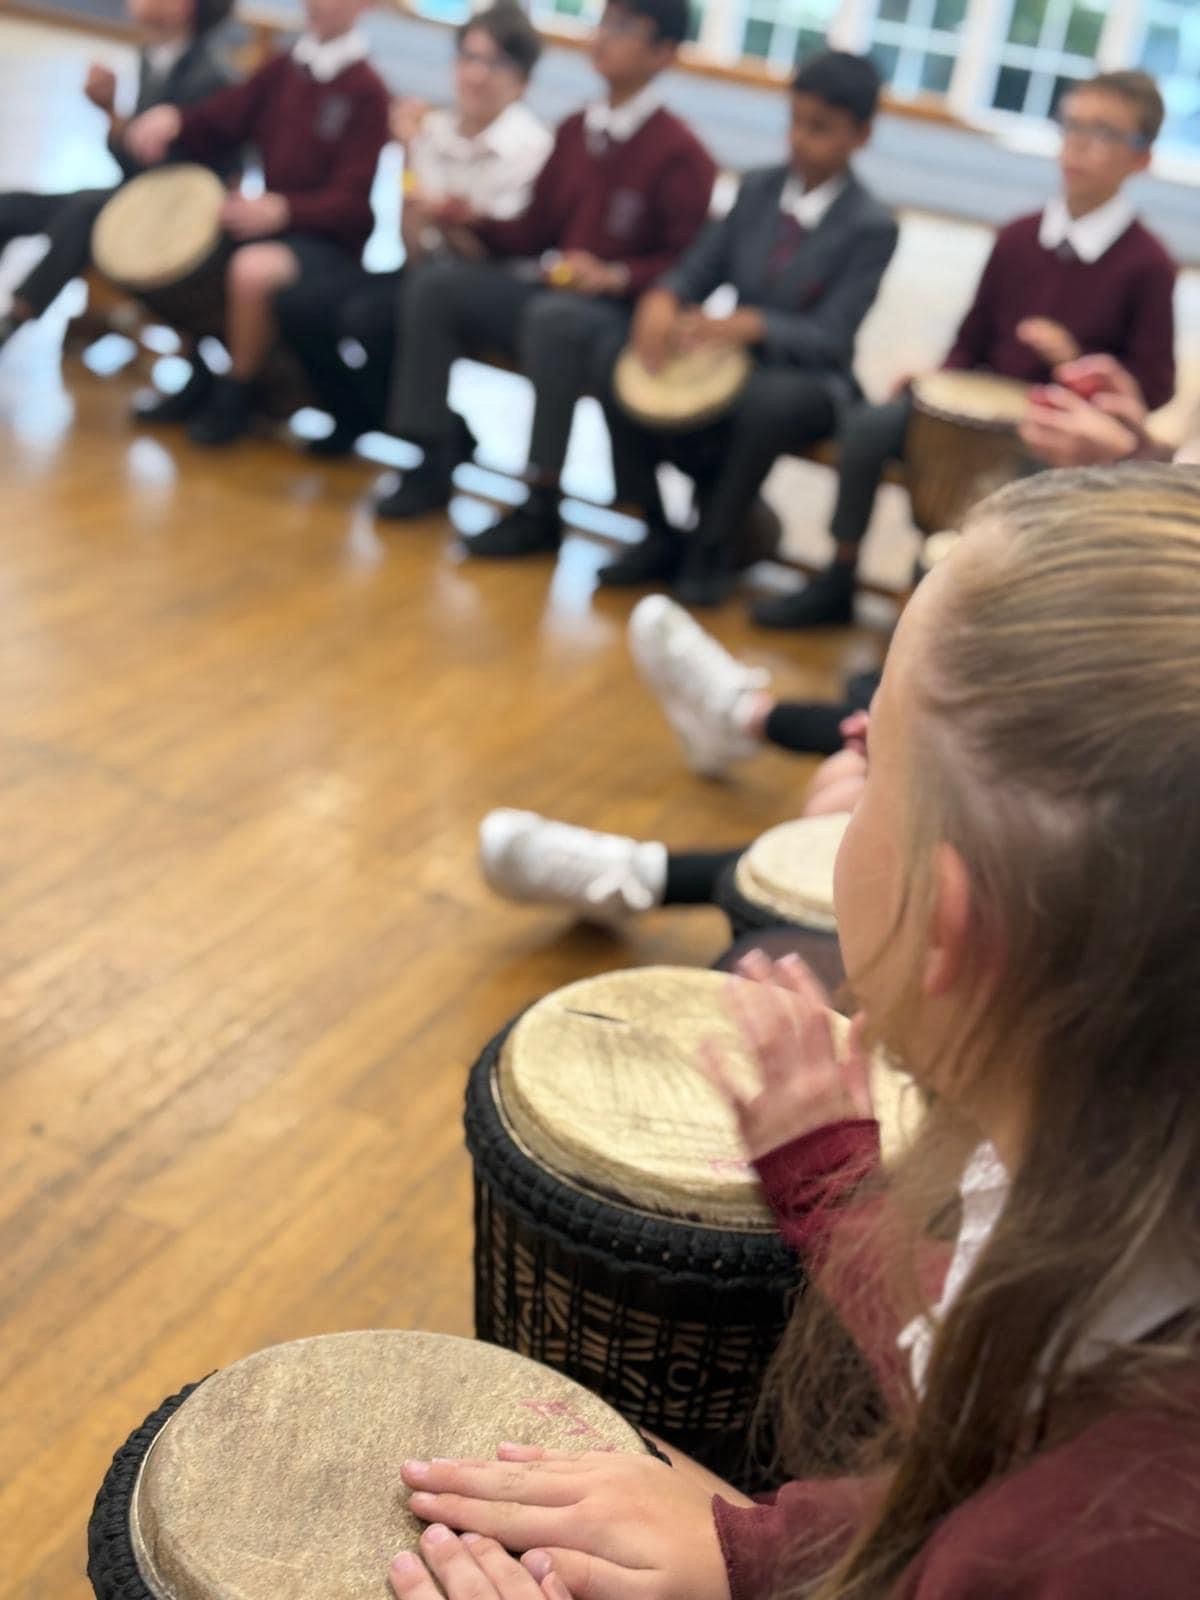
x=479, y=158
x=1082, y=277
x=625, y=191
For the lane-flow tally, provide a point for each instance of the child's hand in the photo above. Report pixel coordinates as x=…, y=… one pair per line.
x=470, y=1568
x=783, y=1016
x=1062, y=430
x=610, y=1526
x=838, y=783
x=149, y=137
x=100, y=86
x=655, y=329
x=405, y=118
x=254, y=216
x=1048, y=339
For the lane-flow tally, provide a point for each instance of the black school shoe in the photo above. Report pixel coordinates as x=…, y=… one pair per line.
x=658, y=558
x=225, y=417
x=534, y=529
x=181, y=406
x=706, y=578
x=828, y=601
x=429, y=487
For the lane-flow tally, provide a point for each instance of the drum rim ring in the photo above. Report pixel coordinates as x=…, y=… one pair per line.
x=112, y=1566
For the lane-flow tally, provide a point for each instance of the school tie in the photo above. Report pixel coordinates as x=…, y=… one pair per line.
x=1067, y=252
x=789, y=236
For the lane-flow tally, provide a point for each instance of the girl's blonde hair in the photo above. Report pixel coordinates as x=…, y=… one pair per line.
x=1056, y=747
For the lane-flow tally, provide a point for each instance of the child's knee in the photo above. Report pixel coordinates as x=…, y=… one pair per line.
x=258, y=271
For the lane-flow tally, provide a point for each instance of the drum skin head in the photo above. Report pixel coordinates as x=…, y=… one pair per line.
x=159, y=227
x=789, y=869
x=280, y=1476
x=980, y=399
x=599, y=1082
x=693, y=388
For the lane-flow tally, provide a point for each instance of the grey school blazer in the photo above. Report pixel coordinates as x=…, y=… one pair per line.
x=813, y=307
x=199, y=72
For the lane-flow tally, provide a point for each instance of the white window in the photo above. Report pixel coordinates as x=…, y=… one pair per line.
x=1047, y=46
x=1170, y=49
x=915, y=43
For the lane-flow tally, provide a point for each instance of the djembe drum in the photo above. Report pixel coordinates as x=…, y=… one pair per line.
x=785, y=880
x=160, y=239
x=691, y=389
x=280, y=1475
x=962, y=443
x=620, y=1235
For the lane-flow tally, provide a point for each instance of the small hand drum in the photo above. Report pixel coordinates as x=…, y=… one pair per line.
x=280, y=1475
x=962, y=443
x=691, y=389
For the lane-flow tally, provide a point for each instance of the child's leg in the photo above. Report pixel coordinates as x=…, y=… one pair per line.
x=255, y=275
x=70, y=233
x=566, y=343
x=23, y=216
x=782, y=411
x=869, y=438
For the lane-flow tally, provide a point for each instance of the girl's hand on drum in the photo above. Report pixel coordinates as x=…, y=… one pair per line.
x=612, y=1527
x=149, y=137
x=470, y=1568
x=783, y=1016
x=1049, y=339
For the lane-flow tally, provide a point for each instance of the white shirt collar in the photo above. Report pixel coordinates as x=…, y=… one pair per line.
x=810, y=207
x=1090, y=236
x=504, y=136
x=326, y=58
x=620, y=123
x=161, y=58
x=1156, y=1292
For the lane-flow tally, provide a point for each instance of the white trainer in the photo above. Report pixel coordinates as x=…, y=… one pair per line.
x=700, y=686
x=602, y=877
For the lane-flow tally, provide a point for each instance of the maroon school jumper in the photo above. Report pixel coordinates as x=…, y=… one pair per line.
x=1111, y=1514
x=638, y=201
x=319, y=142
x=1120, y=305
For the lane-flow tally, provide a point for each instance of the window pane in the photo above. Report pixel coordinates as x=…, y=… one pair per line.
x=885, y=57
x=894, y=10
x=1162, y=50
x=1028, y=18
x=936, y=72
x=1083, y=31
x=756, y=41
x=1063, y=84
x=1012, y=86
x=808, y=41
x=949, y=14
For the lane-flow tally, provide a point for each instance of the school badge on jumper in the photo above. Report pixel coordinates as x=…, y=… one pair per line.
x=625, y=212
x=332, y=116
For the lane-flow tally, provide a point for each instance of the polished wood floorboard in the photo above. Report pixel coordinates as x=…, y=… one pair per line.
x=245, y=958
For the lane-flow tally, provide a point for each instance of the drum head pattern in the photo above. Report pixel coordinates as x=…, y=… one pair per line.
x=789, y=870
x=159, y=227
x=280, y=1475
x=695, y=387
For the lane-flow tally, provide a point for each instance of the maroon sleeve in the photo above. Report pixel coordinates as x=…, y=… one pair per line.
x=223, y=121
x=682, y=198
x=341, y=208
x=978, y=328
x=800, y=1532
x=1149, y=351
x=809, y=1185
x=539, y=226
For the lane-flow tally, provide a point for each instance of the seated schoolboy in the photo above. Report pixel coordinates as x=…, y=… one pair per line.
x=625, y=191
x=318, y=117
x=805, y=246
x=1081, y=277
x=479, y=158
x=177, y=65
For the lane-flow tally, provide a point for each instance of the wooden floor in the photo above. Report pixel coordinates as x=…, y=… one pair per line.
x=245, y=959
